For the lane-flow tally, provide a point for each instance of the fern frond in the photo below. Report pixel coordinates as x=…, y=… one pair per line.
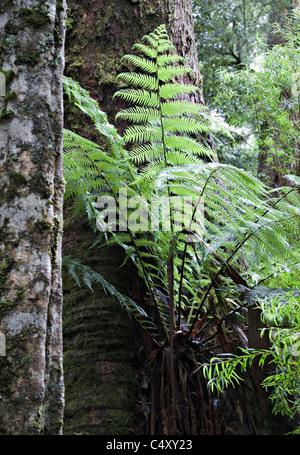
x=141, y=97
x=167, y=59
x=170, y=91
x=139, y=114
x=84, y=275
x=166, y=74
x=86, y=104
x=189, y=145
x=179, y=108
x=146, y=50
x=142, y=133
x=139, y=80
x=142, y=63
x=185, y=125
x=146, y=152
x=182, y=159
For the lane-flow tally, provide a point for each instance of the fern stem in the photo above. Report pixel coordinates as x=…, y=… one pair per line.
x=180, y=286
x=170, y=274
x=162, y=128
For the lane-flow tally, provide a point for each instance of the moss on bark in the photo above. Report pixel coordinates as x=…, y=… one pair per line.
x=30, y=190
x=101, y=32
x=98, y=342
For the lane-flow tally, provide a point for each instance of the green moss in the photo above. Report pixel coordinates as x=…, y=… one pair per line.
x=11, y=29
x=8, y=304
x=5, y=267
x=3, y=229
x=28, y=58
x=11, y=194
x=43, y=225
x=52, y=226
x=6, y=114
x=56, y=230
x=36, y=17
x=17, y=178
x=10, y=96
x=7, y=373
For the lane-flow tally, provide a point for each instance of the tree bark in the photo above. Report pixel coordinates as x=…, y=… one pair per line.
x=99, y=340
x=100, y=32
x=31, y=192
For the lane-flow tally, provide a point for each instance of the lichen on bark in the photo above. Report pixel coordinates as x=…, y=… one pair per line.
x=31, y=191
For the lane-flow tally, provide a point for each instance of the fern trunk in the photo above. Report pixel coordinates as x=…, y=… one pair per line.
x=31, y=190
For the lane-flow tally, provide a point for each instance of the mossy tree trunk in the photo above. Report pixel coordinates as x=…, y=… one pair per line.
x=100, y=32
x=31, y=191
x=99, y=340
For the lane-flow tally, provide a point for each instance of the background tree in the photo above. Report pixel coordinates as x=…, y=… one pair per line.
x=232, y=35
x=31, y=187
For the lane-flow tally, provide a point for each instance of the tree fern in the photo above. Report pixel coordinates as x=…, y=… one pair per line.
x=236, y=232
x=240, y=216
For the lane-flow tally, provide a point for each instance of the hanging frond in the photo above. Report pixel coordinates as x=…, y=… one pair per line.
x=85, y=276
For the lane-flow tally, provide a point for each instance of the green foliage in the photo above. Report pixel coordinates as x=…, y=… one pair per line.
x=233, y=36
x=163, y=122
x=236, y=234
x=230, y=33
x=84, y=275
x=261, y=103
x=282, y=314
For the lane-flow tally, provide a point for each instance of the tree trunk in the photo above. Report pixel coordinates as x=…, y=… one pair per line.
x=101, y=391
x=31, y=191
x=100, y=32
